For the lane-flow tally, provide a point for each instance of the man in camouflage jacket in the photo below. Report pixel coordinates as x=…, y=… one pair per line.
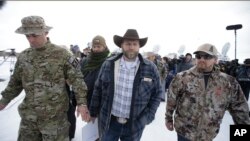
x=200, y=96
x=41, y=71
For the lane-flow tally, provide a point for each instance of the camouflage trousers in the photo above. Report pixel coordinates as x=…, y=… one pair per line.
x=52, y=129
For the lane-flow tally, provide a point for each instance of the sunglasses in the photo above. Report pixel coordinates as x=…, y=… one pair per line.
x=31, y=35
x=205, y=56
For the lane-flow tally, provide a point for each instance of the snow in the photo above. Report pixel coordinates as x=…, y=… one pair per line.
x=10, y=119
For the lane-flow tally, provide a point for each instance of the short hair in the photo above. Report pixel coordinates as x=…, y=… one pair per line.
x=188, y=54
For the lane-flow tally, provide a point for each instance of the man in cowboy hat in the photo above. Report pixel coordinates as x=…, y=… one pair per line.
x=127, y=92
x=41, y=71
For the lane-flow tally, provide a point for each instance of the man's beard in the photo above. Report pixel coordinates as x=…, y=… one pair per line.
x=203, y=68
x=131, y=56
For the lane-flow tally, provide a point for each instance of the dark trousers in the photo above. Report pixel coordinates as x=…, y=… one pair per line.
x=71, y=112
x=181, y=138
x=118, y=131
x=72, y=118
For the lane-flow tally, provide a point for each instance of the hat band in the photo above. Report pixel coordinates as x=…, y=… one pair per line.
x=28, y=28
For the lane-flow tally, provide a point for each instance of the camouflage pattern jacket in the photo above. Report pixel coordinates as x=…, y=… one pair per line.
x=161, y=68
x=42, y=73
x=199, y=110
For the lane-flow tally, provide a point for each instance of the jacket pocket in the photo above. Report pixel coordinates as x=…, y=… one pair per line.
x=145, y=88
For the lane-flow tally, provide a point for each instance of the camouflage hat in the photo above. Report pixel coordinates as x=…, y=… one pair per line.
x=99, y=40
x=207, y=48
x=33, y=25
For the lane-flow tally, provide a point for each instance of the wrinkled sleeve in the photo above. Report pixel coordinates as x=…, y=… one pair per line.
x=74, y=76
x=14, y=86
x=238, y=106
x=172, y=97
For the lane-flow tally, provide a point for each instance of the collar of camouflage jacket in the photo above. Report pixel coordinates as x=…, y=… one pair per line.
x=46, y=45
x=195, y=71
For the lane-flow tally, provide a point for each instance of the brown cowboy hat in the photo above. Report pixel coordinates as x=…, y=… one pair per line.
x=131, y=34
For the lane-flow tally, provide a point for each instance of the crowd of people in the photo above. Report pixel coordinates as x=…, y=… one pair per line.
x=122, y=91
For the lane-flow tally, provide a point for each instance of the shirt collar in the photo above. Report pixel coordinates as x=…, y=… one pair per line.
x=123, y=63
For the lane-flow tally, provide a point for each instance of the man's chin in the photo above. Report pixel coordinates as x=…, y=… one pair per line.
x=200, y=68
x=131, y=56
x=34, y=46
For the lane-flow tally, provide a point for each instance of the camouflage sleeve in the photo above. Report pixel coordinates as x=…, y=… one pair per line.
x=14, y=86
x=172, y=97
x=238, y=106
x=74, y=76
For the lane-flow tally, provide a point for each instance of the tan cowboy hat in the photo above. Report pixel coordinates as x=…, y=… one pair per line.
x=33, y=25
x=131, y=34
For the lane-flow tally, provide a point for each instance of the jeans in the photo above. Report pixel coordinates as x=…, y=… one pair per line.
x=181, y=138
x=118, y=131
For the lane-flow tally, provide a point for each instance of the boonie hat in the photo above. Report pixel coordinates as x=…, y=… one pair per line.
x=33, y=25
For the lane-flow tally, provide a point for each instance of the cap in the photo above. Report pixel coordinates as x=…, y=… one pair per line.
x=207, y=48
x=99, y=40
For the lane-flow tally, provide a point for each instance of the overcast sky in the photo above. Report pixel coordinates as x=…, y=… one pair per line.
x=167, y=24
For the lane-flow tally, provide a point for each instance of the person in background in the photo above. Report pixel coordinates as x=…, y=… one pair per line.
x=85, y=52
x=127, y=91
x=75, y=49
x=243, y=77
x=172, y=70
x=161, y=68
x=199, y=97
x=41, y=71
x=91, y=65
x=185, y=64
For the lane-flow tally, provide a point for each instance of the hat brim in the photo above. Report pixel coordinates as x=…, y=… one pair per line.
x=204, y=52
x=118, y=40
x=37, y=31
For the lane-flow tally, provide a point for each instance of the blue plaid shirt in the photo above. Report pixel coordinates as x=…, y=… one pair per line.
x=124, y=87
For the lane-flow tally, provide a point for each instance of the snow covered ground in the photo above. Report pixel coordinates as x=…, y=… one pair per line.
x=156, y=131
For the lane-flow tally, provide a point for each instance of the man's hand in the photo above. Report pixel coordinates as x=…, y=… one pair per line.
x=2, y=106
x=83, y=110
x=170, y=125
